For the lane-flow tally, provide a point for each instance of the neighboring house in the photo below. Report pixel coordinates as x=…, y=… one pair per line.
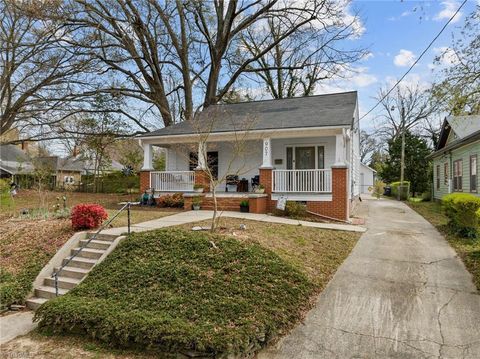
x=68, y=171
x=14, y=162
x=304, y=149
x=367, y=178
x=455, y=161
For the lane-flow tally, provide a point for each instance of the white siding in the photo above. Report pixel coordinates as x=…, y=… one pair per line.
x=367, y=178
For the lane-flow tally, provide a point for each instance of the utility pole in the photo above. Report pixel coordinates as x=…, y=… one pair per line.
x=402, y=165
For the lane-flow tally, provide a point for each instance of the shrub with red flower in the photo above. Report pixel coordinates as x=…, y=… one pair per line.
x=87, y=216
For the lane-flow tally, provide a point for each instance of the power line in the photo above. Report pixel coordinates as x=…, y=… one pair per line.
x=416, y=61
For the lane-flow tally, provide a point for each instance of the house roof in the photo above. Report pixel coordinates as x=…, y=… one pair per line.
x=462, y=129
x=14, y=160
x=368, y=167
x=299, y=112
x=462, y=126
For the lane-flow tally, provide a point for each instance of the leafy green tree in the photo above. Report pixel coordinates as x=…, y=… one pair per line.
x=417, y=166
x=458, y=90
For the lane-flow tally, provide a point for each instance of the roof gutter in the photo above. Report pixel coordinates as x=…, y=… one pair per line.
x=269, y=132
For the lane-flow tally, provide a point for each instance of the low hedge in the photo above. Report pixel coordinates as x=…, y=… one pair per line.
x=174, y=290
x=463, y=212
x=405, y=193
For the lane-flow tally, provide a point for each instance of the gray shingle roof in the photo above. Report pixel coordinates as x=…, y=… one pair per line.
x=14, y=160
x=299, y=112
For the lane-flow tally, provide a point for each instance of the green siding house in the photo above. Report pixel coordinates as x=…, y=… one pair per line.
x=455, y=161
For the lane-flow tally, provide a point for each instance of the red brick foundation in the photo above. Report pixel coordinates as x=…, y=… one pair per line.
x=201, y=178
x=256, y=204
x=338, y=206
x=144, y=181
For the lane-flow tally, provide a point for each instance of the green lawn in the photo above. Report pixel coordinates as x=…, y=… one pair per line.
x=172, y=290
x=467, y=249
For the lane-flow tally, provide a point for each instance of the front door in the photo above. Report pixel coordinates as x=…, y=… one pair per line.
x=305, y=158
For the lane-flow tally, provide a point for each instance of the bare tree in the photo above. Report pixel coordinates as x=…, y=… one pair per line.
x=406, y=107
x=315, y=53
x=38, y=68
x=174, y=57
x=235, y=160
x=368, y=145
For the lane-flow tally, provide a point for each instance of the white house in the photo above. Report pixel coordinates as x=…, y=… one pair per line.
x=303, y=149
x=367, y=178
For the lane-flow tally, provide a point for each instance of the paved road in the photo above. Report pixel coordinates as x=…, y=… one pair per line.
x=402, y=293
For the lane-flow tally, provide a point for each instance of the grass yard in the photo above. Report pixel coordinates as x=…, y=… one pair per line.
x=27, y=244
x=467, y=249
x=174, y=290
x=30, y=199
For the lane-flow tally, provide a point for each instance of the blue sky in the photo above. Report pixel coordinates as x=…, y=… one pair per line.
x=396, y=32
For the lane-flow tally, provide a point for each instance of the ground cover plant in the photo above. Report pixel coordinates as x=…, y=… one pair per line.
x=467, y=248
x=27, y=242
x=25, y=247
x=174, y=289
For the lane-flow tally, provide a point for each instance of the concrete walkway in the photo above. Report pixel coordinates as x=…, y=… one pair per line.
x=402, y=293
x=14, y=325
x=195, y=216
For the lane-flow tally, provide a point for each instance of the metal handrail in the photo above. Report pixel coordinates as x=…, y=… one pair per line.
x=102, y=227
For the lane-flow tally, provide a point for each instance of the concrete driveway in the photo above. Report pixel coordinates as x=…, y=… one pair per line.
x=402, y=293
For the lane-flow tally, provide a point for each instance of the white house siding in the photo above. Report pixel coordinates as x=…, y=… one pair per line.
x=367, y=178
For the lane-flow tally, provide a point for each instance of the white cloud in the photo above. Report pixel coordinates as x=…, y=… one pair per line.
x=404, y=58
x=353, y=79
x=448, y=9
x=410, y=81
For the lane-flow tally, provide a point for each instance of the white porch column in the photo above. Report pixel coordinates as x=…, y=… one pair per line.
x=267, y=153
x=147, y=157
x=202, y=156
x=340, y=150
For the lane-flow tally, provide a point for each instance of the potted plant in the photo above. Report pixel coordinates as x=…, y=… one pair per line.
x=198, y=188
x=196, y=201
x=260, y=189
x=244, y=206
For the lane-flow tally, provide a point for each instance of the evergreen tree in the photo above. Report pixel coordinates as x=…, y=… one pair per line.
x=417, y=166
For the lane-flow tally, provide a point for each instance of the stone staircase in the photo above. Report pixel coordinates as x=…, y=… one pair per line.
x=75, y=271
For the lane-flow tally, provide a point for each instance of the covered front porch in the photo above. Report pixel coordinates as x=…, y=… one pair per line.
x=296, y=165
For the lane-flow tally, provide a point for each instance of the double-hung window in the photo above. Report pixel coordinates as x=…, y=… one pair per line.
x=473, y=173
x=457, y=175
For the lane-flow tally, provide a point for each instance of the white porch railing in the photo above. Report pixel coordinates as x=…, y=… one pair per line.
x=172, y=181
x=313, y=181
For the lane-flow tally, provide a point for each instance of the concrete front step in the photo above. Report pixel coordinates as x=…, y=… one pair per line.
x=103, y=236
x=95, y=244
x=80, y=262
x=35, y=302
x=63, y=282
x=72, y=272
x=48, y=292
x=87, y=253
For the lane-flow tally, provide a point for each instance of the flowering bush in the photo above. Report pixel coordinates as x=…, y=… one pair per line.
x=87, y=216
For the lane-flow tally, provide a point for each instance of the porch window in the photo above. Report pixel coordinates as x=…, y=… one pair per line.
x=473, y=173
x=321, y=157
x=457, y=175
x=305, y=157
x=438, y=176
x=445, y=173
